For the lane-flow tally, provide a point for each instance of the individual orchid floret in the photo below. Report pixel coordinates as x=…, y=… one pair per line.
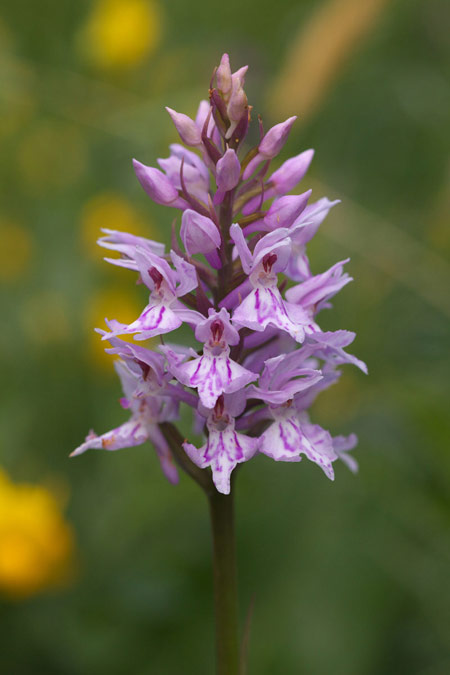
x=146, y=414
x=187, y=129
x=200, y=235
x=311, y=218
x=145, y=364
x=270, y=145
x=228, y=170
x=289, y=384
x=185, y=169
x=284, y=376
x=313, y=294
x=158, y=186
x=289, y=436
x=153, y=377
x=264, y=305
x=225, y=447
x=283, y=180
x=164, y=313
x=214, y=372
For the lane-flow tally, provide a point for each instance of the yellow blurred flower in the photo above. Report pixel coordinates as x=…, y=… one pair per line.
x=36, y=543
x=121, y=33
x=113, y=212
x=122, y=303
x=16, y=247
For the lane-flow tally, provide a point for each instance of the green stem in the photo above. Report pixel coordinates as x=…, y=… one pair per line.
x=225, y=219
x=225, y=583
x=224, y=556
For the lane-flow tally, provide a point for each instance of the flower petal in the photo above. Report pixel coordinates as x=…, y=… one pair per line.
x=156, y=319
x=222, y=452
x=213, y=376
x=290, y=436
x=264, y=307
x=126, y=436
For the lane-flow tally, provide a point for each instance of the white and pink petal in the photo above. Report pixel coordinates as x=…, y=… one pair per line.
x=222, y=452
x=213, y=376
x=264, y=307
x=126, y=436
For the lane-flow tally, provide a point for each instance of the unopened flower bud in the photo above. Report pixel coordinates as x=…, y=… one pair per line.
x=198, y=233
x=291, y=172
x=283, y=180
x=275, y=138
x=228, y=170
x=239, y=75
x=188, y=130
x=270, y=145
x=237, y=103
x=157, y=185
x=285, y=210
x=223, y=75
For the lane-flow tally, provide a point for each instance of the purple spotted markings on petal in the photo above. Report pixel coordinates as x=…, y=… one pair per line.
x=290, y=436
x=224, y=448
x=214, y=372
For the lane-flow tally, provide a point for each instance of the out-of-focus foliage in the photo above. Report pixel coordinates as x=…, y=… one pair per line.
x=349, y=578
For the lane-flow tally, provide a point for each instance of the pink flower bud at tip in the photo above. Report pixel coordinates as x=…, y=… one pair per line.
x=223, y=75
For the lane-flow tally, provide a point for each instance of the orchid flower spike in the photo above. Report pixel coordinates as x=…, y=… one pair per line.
x=233, y=304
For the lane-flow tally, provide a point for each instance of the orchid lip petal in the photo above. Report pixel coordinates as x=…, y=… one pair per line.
x=223, y=450
x=264, y=307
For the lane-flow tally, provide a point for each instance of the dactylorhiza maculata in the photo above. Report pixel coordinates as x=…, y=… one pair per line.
x=239, y=277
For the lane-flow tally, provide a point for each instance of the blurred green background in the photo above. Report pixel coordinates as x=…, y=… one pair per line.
x=105, y=567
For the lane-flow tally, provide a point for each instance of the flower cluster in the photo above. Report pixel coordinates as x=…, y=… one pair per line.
x=238, y=276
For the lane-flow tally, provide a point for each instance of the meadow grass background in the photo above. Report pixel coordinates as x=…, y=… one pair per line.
x=349, y=578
